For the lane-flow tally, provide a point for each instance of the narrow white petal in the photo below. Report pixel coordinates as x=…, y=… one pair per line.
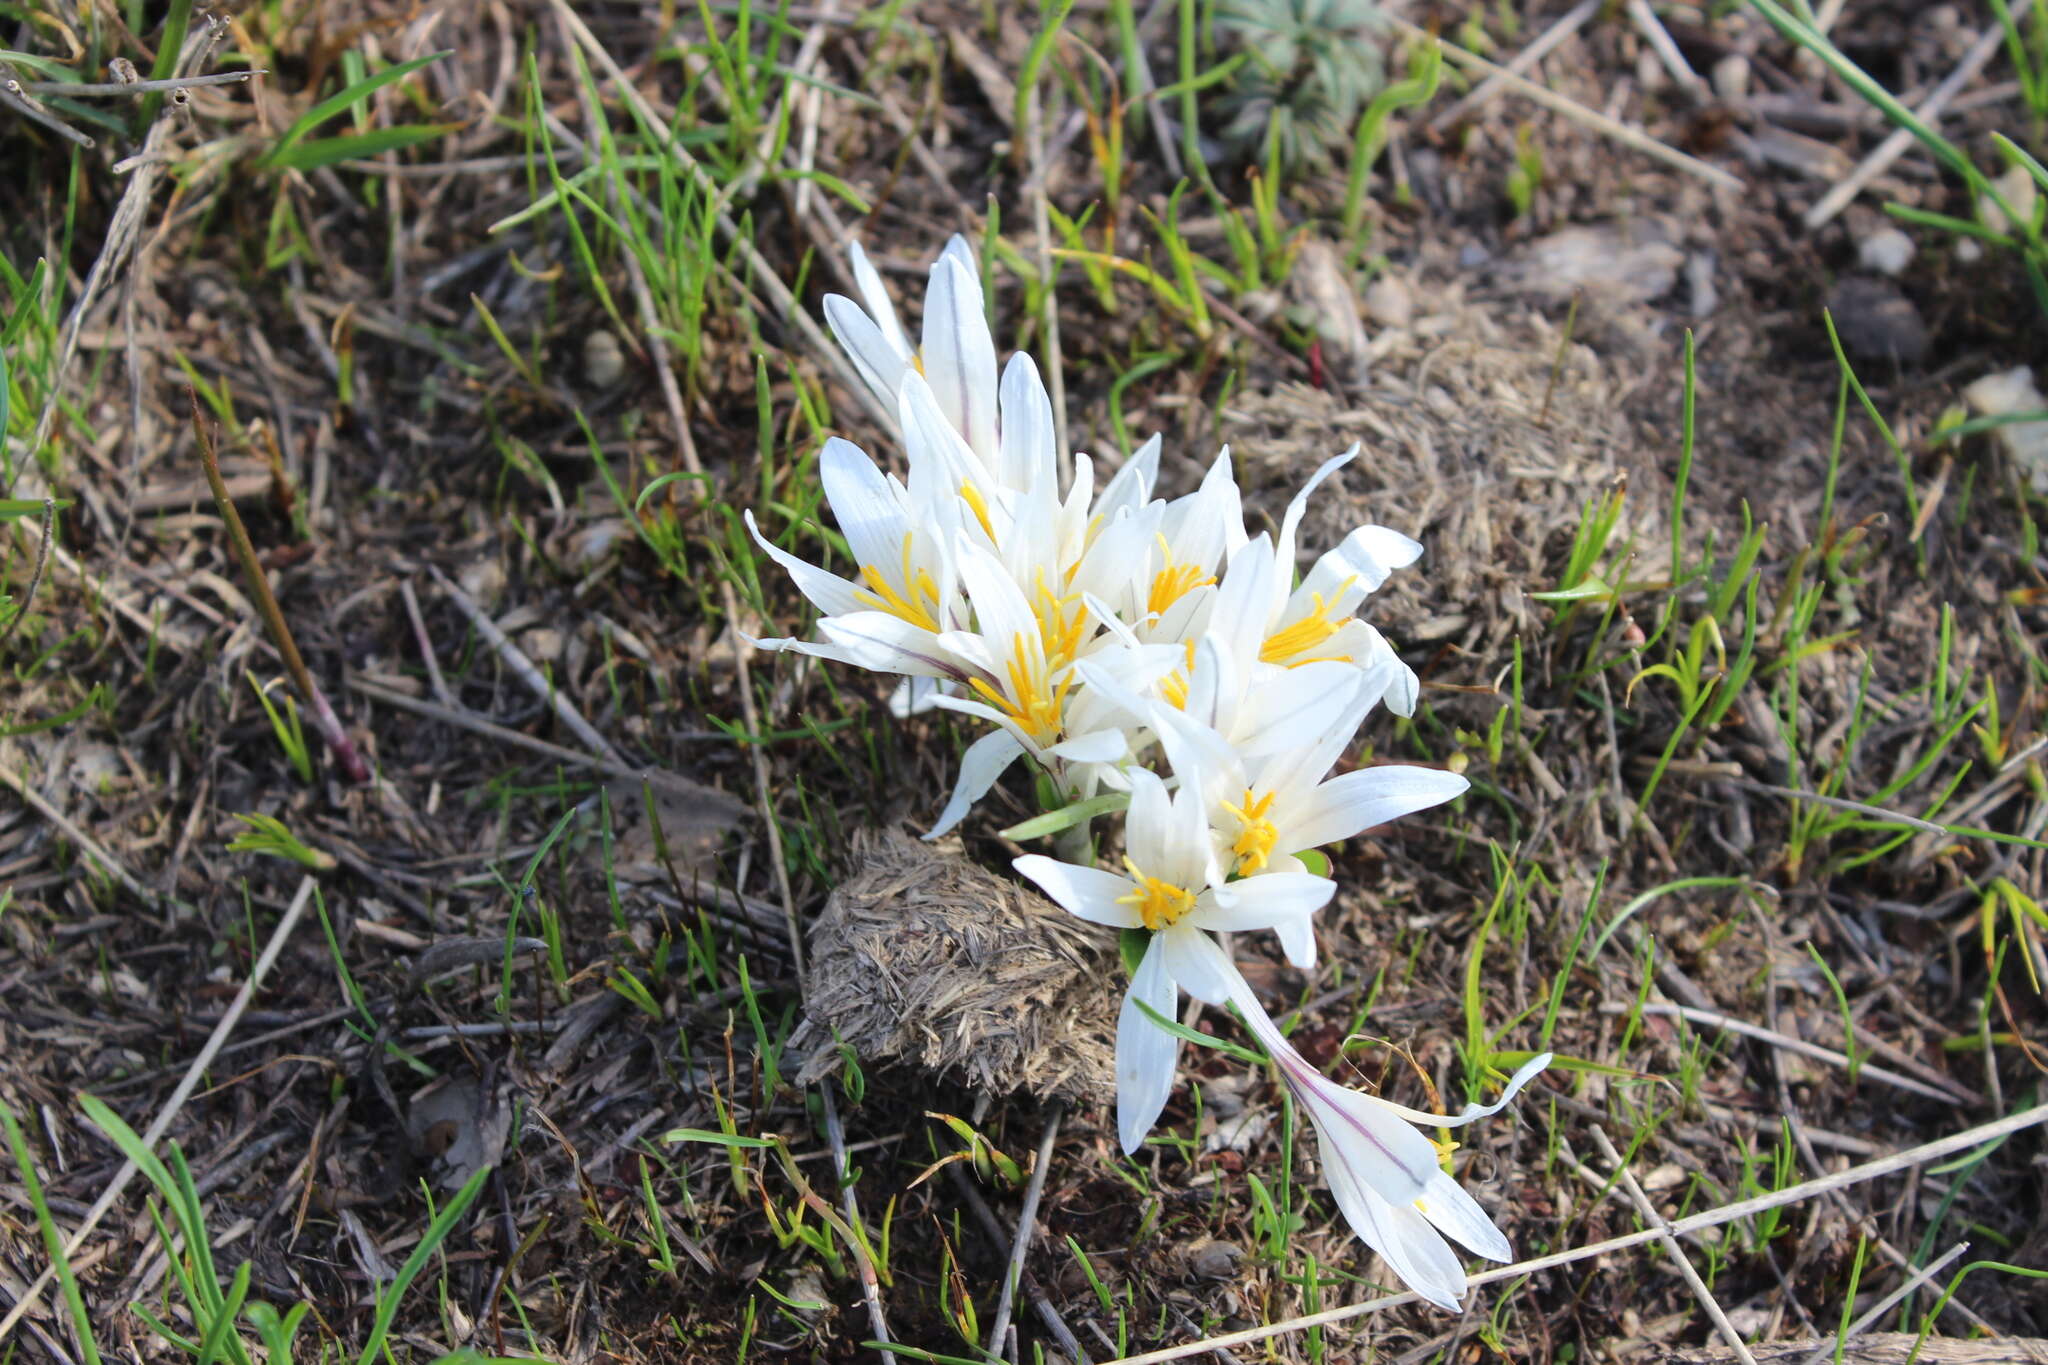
x=1145, y=826
x=1131, y=488
x=1359, y=800
x=960, y=356
x=1089, y=892
x=866, y=507
x=1289, y=708
x=1526, y=1072
x=867, y=345
x=1454, y=1212
x=876, y=296
x=1298, y=940
x=1029, y=454
x=888, y=644
x=1146, y=1054
x=1261, y=902
x=1284, y=546
x=830, y=593
x=1419, y=1258
x=984, y=762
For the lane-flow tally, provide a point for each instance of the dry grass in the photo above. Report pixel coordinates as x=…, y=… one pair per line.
x=555, y=927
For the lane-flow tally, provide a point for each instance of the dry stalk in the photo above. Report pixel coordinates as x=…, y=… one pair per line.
x=324, y=719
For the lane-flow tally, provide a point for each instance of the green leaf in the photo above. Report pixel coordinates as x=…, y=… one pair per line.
x=1585, y=591
x=1052, y=822
x=715, y=1139
x=337, y=104
x=1316, y=861
x=1509, y=1061
x=325, y=151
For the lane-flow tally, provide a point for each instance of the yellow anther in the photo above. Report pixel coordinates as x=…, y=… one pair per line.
x=1311, y=630
x=971, y=495
x=1256, y=834
x=1034, y=703
x=918, y=600
x=1173, y=581
x=1160, y=904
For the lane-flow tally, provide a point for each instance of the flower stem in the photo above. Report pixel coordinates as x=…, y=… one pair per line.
x=324, y=719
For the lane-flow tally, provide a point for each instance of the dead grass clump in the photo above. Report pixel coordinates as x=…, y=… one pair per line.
x=925, y=956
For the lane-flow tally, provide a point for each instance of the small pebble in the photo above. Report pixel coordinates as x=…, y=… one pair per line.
x=1731, y=76
x=484, y=581
x=543, y=645
x=603, y=361
x=1472, y=255
x=1886, y=251
x=1389, y=303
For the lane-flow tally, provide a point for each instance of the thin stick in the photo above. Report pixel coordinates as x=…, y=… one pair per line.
x=475, y=724
x=1894, y=147
x=1915, y=1277
x=1579, y=113
x=426, y=643
x=324, y=719
x=523, y=669
x=1569, y=23
x=190, y=1083
x=1659, y=39
x=1704, y=1295
x=1027, y=1228
x=1791, y=1194
x=14, y=96
x=1714, y=1019
x=870, y=1290
x=137, y=87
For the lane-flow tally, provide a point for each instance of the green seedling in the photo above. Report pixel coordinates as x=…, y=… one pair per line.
x=267, y=835
x=291, y=736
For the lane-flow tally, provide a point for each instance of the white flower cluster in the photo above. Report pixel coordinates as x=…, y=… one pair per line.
x=1097, y=632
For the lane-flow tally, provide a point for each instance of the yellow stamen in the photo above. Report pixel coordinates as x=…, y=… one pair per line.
x=1062, y=624
x=1305, y=634
x=1034, y=703
x=919, y=608
x=1160, y=903
x=971, y=495
x=1173, y=581
x=1256, y=834
x=1174, y=687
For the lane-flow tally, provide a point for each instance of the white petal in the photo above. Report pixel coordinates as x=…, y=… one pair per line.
x=1284, y=546
x=1132, y=486
x=1146, y=1054
x=960, y=356
x=1147, y=824
x=876, y=296
x=1413, y=1250
x=1089, y=892
x=830, y=593
x=1298, y=940
x=1029, y=457
x=1199, y=964
x=1359, y=800
x=1261, y=902
x=889, y=644
x=984, y=762
x=1292, y=707
x=1526, y=1072
x=867, y=345
x=1453, y=1211
x=867, y=508
x=1099, y=746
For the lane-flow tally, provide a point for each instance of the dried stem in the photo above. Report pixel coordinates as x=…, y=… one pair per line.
x=35, y=580
x=324, y=719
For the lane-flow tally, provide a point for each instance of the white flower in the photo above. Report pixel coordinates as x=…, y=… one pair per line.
x=1171, y=886
x=906, y=592
x=1316, y=620
x=1264, y=808
x=1384, y=1174
x=956, y=353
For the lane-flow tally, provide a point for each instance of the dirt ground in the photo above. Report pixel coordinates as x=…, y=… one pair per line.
x=492, y=460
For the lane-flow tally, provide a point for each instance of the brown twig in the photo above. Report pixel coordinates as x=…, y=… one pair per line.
x=324, y=719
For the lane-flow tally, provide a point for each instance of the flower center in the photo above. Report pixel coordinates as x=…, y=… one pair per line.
x=1303, y=635
x=916, y=602
x=1173, y=581
x=1160, y=903
x=1174, y=686
x=1034, y=702
x=1062, y=624
x=1256, y=834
